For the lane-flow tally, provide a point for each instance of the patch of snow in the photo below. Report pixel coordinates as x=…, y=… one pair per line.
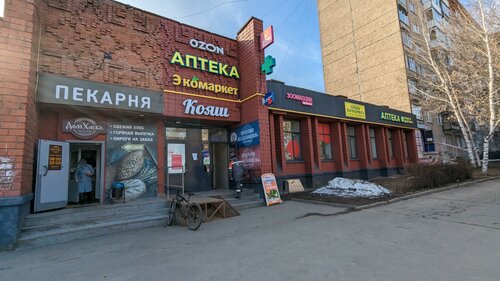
x=343, y=187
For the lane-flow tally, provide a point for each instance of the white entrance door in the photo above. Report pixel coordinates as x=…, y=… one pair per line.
x=52, y=175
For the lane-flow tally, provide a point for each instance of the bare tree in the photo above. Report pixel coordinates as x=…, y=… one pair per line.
x=462, y=72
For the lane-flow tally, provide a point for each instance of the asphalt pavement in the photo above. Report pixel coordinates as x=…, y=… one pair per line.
x=452, y=235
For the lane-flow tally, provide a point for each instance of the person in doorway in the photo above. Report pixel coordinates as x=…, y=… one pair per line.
x=236, y=172
x=83, y=178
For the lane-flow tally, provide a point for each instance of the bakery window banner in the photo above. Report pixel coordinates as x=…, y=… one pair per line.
x=131, y=159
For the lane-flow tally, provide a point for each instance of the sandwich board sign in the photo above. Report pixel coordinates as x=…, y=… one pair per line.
x=271, y=192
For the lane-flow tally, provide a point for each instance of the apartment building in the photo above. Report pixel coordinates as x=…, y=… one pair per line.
x=371, y=52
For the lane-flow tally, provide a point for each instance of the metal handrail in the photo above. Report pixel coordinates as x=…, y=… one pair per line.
x=168, y=185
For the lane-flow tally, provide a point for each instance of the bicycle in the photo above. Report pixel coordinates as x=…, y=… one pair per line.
x=181, y=208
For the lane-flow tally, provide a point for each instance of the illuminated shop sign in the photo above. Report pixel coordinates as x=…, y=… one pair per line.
x=192, y=107
x=305, y=100
x=69, y=91
x=196, y=84
x=204, y=64
x=355, y=110
x=83, y=128
x=395, y=118
x=206, y=46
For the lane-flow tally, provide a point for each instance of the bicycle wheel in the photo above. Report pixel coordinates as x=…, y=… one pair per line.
x=172, y=213
x=194, y=216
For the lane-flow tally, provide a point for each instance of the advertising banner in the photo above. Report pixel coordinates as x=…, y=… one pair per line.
x=131, y=158
x=247, y=135
x=55, y=157
x=271, y=192
x=176, y=157
x=250, y=157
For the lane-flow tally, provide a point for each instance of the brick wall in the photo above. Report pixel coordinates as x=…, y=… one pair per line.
x=18, y=119
x=252, y=82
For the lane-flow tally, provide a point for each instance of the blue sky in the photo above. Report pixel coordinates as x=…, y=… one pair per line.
x=297, y=43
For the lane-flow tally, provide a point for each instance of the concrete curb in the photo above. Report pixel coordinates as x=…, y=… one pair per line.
x=423, y=193
x=331, y=204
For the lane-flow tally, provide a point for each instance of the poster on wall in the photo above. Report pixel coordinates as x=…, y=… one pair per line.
x=55, y=157
x=250, y=156
x=131, y=158
x=176, y=157
x=271, y=192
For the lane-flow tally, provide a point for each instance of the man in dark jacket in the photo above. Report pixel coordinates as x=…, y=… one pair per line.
x=236, y=172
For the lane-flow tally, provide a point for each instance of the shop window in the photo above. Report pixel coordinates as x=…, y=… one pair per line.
x=373, y=143
x=428, y=140
x=291, y=138
x=172, y=133
x=325, y=141
x=391, y=145
x=351, y=137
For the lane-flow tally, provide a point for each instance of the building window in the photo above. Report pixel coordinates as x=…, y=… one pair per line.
x=415, y=28
x=373, y=143
x=291, y=138
x=175, y=133
x=410, y=64
x=440, y=119
x=325, y=141
x=428, y=140
x=417, y=111
x=2, y=8
x=403, y=16
x=407, y=41
x=391, y=145
x=412, y=7
x=402, y=2
x=351, y=137
x=412, y=86
x=428, y=117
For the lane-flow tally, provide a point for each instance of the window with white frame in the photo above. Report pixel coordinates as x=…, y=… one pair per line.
x=412, y=86
x=417, y=110
x=2, y=8
x=407, y=41
x=410, y=64
x=415, y=28
x=428, y=117
x=440, y=119
x=412, y=7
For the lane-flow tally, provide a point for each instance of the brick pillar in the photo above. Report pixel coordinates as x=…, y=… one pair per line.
x=363, y=154
x=412, y=146
x=381, y=139
x=397, y=140
x=315, y=142
x=19, y=31
x=307, y=145
x=338, y=146
x=252, y=82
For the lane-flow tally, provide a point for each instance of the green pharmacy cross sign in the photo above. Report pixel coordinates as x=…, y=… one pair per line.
x=267, y=66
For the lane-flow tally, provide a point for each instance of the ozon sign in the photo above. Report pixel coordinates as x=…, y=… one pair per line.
x=192, y=107
x=206, y=46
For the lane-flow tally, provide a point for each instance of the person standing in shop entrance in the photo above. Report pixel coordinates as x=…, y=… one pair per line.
x=236, y=172
x=83, y=178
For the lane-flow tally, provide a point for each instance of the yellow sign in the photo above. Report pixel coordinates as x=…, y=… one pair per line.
x=355, y=110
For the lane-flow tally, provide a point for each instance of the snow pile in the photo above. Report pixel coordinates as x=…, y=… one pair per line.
x=343, y=187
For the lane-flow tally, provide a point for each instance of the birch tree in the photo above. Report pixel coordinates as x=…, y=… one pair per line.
x=461, y=74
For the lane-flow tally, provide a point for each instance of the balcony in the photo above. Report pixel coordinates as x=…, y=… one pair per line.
x=451, y=127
